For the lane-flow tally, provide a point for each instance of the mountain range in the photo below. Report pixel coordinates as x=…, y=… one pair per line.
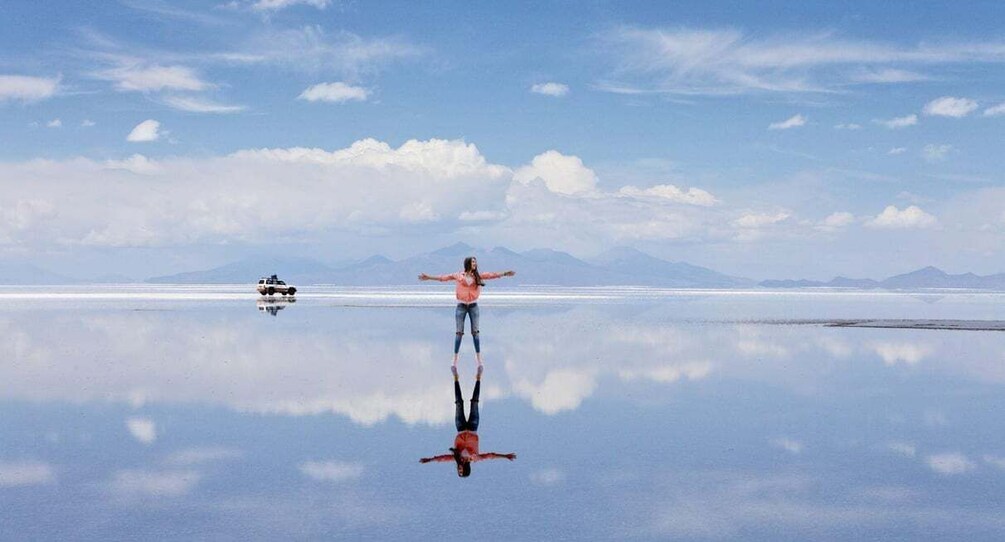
x=618, y=266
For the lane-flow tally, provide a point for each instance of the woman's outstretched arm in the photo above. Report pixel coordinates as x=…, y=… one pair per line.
x=493, y=275
x=441, y=278
x=438, y=458
x=493, y=455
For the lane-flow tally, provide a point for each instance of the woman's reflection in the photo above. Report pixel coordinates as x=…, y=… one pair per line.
x=465, y=450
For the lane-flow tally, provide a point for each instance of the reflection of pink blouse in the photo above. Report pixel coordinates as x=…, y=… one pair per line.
x=466, y=444
x=467, y=289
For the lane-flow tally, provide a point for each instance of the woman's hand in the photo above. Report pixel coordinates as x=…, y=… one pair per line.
x=425, y=460
x=509, y=273
x=511, y=457
x=423, y=276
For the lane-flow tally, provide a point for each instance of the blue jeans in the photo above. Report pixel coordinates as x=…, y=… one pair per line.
x=463, y=310
x=471, y=422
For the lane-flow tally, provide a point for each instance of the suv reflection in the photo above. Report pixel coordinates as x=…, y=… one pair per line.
x=273, y=305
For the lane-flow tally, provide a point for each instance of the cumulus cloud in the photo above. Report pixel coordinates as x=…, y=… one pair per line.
x=899, y=122
x=950, y=463
x=560, y=390
x=331, y=471
x=936, y=153
x=760, y=220
x=791, y=122
x=142, y=429
x=910, y=218
x=907, y=353
x=669, y=192
x=87, y=123
x=550, y=89
x=54, y=123
x=336, y=92
x=194, y=104
x=836, y=221
x=948, y=106
x=148, y=130
x=727, y=61
x=25, y=473
x=136, y=483
x=561, y=174
x=137, y=163
x=27, y=89
x=995, y=110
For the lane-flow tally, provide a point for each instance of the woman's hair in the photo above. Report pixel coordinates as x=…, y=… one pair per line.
x=463, y=467
x=467, y=269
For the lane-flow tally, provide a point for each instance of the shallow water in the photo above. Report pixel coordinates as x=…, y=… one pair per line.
x=143, y=412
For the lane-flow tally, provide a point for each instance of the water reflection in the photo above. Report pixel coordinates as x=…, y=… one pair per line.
x=272, y=305
x=465, y=449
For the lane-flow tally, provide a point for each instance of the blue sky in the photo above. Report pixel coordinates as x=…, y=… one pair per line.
x=777, y=140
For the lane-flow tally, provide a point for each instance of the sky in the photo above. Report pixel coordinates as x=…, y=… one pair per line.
x=783, y=140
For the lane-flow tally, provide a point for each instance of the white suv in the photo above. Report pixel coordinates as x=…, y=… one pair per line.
x=272, y=285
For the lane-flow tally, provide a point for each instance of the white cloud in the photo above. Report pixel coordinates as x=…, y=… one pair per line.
x=142, y=429
x=547, y=477
x=25, y=473
x=836, y=221
x=560, y=390
x=899, y=122
x=331, y=471
x=760, y=220
x=936, y=153
x=948, y=106
x=792, y=122
x=148, y=130
x=896, y=150
x=276, y=5
x=137, y=163
x=54, y=123
x=905, y=449
x=848, y=126
x=550, y=89
x=950, y=463
x=908, y=353
x=561, y=174
x=198, y=456
x=145, y=483
x=87, y=123
x=27, y=89
x=995, y=461
x=669, y=192
x=199, y=105
x=789, y=445
x=893, y=218
x=337, y=92
x=136, y=76
x=995, y=111
x=723, y=62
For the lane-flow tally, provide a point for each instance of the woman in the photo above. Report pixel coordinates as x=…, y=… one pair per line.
x=469, y=286
x=465, y=450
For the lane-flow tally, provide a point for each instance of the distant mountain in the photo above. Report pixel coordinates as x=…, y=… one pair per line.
x=538, y=266
x=28, y=274
x=247, y=271
x=925, y=278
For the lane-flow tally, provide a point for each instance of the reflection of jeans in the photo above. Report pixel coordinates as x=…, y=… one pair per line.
x=463, y=310
x=471, y=423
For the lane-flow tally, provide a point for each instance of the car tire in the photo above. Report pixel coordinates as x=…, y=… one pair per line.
x=292, y=291
x=272, y=291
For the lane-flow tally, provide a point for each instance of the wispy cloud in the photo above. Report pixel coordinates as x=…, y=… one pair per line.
x=547, y=477
x=135, y=75
x=848, y=126
x=729, y=61
x=276, y=5
x=336, y=92
x=936, y=153
x=899, y=122
x=950, y=463
x=897, y=150
x=146, y=483
x=995, y=110
x=142, y=429
x=194, y=104
x=25, y=473
x=788, y=444
x=331, y=471
x=27, y=89
x=550, y=89
x=948, y=106
x=669, y=192
x=54, y=123
x=791, y=122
